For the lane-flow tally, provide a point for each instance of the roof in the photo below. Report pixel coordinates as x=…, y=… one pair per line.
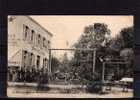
x=125, y=79
x=40, y=25
x=126, y=52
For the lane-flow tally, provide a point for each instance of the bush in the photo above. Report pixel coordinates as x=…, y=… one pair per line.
x=94, y=87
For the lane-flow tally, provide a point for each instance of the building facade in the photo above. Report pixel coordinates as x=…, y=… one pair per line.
x=28, y=44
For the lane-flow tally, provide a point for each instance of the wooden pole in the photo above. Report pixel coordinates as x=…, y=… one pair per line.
x=49, y=68
x=103, y=72
x=82, y=49
x=94, y=60
x=21, y=62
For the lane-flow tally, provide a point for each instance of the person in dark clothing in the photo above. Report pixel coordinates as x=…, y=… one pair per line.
x=22, y=74
x=18, y=75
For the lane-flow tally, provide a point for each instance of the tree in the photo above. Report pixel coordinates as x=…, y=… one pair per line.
x=123, y=44
x=54, y=64
x=128, y=37
x=94, y=36
x=117, y=43
x=128, y=50
x=125, y=39
x=65, y=63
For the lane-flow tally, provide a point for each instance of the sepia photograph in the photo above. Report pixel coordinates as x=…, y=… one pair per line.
x=70, y=56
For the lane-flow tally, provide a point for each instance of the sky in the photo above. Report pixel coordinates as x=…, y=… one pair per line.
x=67, y=29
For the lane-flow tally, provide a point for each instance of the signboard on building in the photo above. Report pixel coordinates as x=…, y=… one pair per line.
x=13, y=63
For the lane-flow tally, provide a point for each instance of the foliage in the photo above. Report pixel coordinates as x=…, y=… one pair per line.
x=123, y=40
x=128, y=37
x=94, y=36
x=128, y=49
x=123, y=44
x=80, y=67
x=54, y=64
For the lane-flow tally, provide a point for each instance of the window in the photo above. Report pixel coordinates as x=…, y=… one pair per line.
x=39, y=39
x=26, y=31
x=31, y=59
x=44, y=42
x=32, y=35
x=44, y=62
x=25, y=58
x=38, y=61
x=49, y=44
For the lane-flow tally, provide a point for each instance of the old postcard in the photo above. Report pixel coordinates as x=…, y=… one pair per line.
x=77, y=56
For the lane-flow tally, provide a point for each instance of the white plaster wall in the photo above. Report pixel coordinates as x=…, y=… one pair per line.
x=15, y=29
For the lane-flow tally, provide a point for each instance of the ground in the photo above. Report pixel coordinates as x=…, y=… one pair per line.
x=13, y=91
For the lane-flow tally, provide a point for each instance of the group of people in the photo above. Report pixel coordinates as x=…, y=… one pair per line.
x=28, y=75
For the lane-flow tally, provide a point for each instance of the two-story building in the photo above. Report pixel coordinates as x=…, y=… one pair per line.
x=28, y=44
